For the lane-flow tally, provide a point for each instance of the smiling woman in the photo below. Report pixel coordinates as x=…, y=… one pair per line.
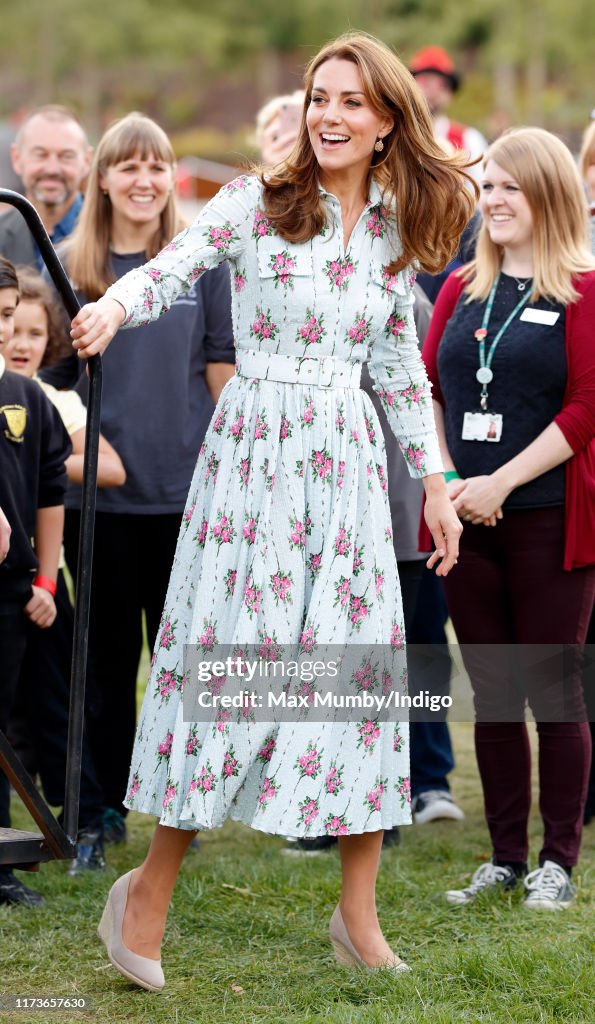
x=510, y=352
x=138, y=189
x=286, y=539
x=341, y=120
x=365, y=116
x=130, y=204
x=507, y=213
x=344, y=128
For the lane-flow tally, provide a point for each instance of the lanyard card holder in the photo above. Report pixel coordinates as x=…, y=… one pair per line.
x=482, y=426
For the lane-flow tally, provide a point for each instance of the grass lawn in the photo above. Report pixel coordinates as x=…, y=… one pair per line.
x=247, y=936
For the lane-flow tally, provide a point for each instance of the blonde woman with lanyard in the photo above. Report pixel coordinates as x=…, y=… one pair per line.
x=510, y=352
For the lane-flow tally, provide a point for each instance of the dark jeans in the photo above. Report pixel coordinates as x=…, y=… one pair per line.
x=589, y=687
x=42, y=705
x=132, y=560
x=13, y=639
x=425, y=613
x=509, y=588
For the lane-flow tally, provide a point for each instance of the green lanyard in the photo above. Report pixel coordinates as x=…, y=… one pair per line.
x=485, y=373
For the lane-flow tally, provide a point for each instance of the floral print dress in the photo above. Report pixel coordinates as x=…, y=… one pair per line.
x=286, y=536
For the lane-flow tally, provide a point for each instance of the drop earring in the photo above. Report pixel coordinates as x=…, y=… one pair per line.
x=379, y=145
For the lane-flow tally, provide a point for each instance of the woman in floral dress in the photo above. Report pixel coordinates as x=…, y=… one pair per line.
x=286, y=536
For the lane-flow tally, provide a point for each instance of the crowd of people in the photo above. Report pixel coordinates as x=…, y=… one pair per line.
x=295, y=526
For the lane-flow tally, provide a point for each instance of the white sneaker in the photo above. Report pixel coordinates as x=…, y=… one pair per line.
x=488, y=876
x=549, y=888
x=435, y=804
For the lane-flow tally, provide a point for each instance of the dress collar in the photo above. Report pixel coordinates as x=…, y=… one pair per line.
x=374, y=194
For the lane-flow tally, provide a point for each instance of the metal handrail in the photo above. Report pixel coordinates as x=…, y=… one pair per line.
x=85, y=552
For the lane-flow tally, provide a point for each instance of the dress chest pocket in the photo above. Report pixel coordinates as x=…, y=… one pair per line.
x=393, y=287
x=283, y=265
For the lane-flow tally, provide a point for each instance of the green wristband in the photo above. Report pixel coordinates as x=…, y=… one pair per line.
x=451, y=475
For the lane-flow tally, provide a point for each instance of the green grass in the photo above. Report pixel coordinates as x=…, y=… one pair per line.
x=244, y=915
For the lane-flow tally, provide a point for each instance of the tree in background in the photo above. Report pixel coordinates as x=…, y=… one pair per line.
x=190, y=63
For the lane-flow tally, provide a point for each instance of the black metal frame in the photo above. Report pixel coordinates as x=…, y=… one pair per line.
x=56, y=841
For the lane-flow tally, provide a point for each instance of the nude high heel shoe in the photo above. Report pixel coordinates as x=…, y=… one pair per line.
x=346, y=953
x=141, y=969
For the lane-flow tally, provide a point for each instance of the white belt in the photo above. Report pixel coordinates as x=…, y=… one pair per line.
x=322, y=371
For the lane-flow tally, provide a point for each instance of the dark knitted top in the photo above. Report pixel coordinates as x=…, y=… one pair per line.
x=530, y=372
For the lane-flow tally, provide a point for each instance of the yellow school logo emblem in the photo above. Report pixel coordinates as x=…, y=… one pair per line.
x=16, y=421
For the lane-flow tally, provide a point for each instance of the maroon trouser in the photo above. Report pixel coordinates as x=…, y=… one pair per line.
x=509, y=588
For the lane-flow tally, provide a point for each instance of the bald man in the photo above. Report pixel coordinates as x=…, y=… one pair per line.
x=52, y=156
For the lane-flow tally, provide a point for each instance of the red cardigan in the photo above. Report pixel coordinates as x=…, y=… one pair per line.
x=576, y=418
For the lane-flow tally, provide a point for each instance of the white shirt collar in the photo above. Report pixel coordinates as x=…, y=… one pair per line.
x=374, y=194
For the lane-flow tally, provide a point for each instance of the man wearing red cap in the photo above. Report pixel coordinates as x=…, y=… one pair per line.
x=438, y=79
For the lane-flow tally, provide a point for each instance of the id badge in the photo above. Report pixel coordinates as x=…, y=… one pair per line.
x=482, y=426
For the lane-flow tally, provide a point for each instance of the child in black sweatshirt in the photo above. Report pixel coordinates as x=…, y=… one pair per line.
x=33, y=449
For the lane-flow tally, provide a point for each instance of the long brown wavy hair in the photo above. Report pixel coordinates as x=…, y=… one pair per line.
x=87, y=250
x=434, y=195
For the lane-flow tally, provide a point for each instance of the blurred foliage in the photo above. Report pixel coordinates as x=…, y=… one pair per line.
x=189, y=62
x=212, y=144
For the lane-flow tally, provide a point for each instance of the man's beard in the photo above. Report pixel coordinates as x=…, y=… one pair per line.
x=54, y=200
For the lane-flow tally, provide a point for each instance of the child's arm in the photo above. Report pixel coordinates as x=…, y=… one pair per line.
x=110, y=468
x=49, y=528
x=5, y=532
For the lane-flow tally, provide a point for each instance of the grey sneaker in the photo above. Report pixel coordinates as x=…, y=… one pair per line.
x=433, y=805
x=488, y=876
x=549, y=888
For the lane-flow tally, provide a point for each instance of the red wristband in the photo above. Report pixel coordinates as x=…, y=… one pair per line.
x=46, y=584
